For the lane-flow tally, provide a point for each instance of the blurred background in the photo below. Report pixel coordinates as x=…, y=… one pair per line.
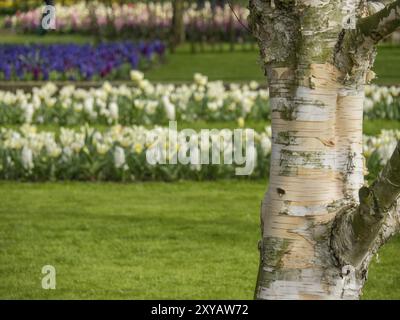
x=77, y=105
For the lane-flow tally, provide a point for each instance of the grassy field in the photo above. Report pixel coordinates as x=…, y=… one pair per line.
x=142, y=241
x=11, y=38
x=137, y=241
x=242, y=66
x=236, y=66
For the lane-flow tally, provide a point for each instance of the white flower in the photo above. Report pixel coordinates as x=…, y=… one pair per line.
x=113, y=108
x=169, y=108
x=198, y=96
x=200, y=79
x=389, y=100
x=146, y=86
x=102, y=148
x=265, y=144
x=195, y=163
x=247, y=105
x=212, y=106
x=264, y=94
x=77, y=146
x=107, y=87
x=67, y=153
x=136, y=76
x=139, y=104
x=386, y=150
x=53, y=150
x=368, y=90
x=254, y=85
x=119, y=157
x=78, y=107
x=151, y=107
x=27, y=158
x=268, y=131
x=368, y=104
x=28, y=113
x=88, y=105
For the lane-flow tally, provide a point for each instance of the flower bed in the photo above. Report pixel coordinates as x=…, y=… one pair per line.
x=144, y=103
x=112, y=60
x=139, y=21
x=119, y=154
x=150, y=104
x=379, y=149
x=382, y=102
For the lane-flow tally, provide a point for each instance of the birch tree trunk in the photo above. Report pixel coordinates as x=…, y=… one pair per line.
x=320, y=222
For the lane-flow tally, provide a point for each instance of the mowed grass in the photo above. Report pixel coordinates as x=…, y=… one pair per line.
x=387, y=65
x=236, y=66
x=244, y=65
x=384, y=275
x=138, y=241
x=49, y=38
x=142, y=241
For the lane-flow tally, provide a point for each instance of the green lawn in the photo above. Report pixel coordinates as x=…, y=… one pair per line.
x=242, y=66
x=384, y=276
x=136, y=241
x=374, y=127
x=387, y=65
x=142, y=241
x=11, y=38
x=236, y=66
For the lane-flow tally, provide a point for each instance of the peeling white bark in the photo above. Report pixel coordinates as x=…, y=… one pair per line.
x=317, y=92
x=316, y=167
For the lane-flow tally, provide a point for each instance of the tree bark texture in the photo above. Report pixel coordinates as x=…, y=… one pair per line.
x=320, y=222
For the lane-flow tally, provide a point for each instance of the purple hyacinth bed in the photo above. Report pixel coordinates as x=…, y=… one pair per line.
x=111, y=60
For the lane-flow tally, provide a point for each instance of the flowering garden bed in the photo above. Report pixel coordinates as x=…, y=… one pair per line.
x=140, y=20
x=71, y=62
x=145, y=103
x=119, y=154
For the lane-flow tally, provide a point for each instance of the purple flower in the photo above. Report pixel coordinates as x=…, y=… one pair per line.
x=74, y=61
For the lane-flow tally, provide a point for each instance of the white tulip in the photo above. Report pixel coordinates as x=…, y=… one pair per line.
x=113, y=109
x=119, y=157
x=136, y=76
x=169, y=108
x=27, y=158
